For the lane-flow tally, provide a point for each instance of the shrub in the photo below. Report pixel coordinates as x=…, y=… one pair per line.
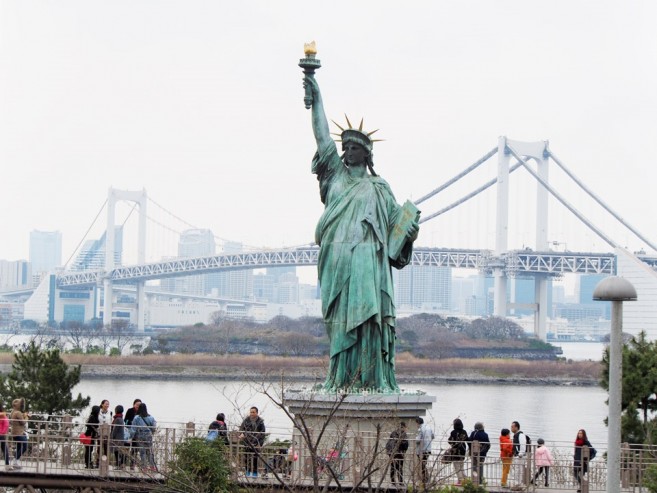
x=650, y=478
x=467, y=487
x=199, y=467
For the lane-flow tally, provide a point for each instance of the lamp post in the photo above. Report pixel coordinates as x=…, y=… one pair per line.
x=615, y=289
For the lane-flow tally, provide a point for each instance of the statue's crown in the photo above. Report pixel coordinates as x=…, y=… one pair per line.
x=357, y=135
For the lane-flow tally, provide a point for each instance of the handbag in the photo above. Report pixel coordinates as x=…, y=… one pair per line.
x=450, y=455
x=84, y=439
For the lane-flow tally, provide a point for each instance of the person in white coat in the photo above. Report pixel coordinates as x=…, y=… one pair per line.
x=423, y=446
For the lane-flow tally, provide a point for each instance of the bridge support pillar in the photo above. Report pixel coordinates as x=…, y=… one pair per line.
x=502, y=226
x=113, y=196
x=540, y=316
x=108, y=295
x=141, y=306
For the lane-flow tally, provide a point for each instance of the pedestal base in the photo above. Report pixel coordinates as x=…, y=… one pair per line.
x=350, y=431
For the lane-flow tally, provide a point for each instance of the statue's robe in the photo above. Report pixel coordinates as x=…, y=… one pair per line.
x=355, y=275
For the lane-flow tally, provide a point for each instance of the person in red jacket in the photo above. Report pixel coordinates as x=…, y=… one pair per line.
x=506, y=454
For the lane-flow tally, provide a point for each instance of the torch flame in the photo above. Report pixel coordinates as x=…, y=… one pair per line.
x=310, y=48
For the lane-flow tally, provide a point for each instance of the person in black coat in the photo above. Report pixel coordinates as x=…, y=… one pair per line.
x=92, y=432
x=252, y=436
x=478, y=459
x=581, y=466
x=396, y=448
x=458, y=440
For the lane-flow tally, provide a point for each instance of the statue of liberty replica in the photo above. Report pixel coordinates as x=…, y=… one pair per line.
x=362, y=234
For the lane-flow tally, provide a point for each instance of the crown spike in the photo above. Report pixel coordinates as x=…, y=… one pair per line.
x=348, y=122
x=360, y=127
x=337, y=125
x=373, y=132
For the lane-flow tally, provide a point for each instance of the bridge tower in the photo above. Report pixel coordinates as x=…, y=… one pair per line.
x=139, y=198
x=539, y=152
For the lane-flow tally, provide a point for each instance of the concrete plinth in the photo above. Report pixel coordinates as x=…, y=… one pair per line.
x=353, y=428
x=362, y=410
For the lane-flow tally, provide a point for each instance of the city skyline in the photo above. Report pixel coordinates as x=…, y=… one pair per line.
x=177, y=101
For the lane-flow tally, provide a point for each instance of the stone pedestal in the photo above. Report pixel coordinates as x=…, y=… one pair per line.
x=351, y=430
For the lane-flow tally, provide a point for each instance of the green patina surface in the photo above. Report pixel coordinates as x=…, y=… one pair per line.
x=362, y=233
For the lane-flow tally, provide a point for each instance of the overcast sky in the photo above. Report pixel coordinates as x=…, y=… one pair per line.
x=201, y=104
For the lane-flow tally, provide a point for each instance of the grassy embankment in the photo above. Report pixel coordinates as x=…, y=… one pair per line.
x=409, y=368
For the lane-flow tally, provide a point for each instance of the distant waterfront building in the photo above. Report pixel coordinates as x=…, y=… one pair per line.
x=263, y=287
x=45, y=250
x=193, y=243
x=92, y=254
x=463, y=295
x=424, y=287
x=640, y=314
x=587, y=284
x=15, y=274
x=235, y=284
x=522, y=292
x=279, y=285
x=10, y=313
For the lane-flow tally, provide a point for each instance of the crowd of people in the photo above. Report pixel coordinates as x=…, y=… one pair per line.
x=514, y=447
x=130, y=444
x=130, y=441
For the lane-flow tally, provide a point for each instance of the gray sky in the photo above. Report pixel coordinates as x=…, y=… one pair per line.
x=201, y=104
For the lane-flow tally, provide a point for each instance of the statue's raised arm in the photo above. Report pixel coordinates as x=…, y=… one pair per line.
x=319, y=121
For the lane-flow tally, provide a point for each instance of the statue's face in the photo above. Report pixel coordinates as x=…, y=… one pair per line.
x=355, y=154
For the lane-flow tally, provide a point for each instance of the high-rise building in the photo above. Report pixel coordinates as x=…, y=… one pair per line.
x=522, y=291
x=193, y=243
x=92, y=253
x=15, y=274
x=587, y=285
x=263, y=287
x=45, y=250
x=423, y=286
x=235, y=284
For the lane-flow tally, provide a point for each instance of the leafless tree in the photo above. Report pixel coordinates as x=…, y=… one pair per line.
x=121, y=334
x=77, y=335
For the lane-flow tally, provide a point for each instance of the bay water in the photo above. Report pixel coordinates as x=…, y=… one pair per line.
x=551, y=412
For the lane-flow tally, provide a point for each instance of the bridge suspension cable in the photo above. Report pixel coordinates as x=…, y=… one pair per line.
x=458, y=177
x=468, y=196
x=84, y=237
x=186, y=223
x=601, y=202
x=563, y=201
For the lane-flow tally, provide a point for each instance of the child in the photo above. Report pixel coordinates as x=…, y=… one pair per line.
x=506, y=454
x=543, y=459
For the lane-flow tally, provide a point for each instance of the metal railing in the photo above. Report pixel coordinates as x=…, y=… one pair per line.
x=357, y=459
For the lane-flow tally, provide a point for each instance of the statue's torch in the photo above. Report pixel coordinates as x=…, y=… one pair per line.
x=309, y=64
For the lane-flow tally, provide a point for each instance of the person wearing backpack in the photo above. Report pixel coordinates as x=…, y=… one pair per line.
x=520, y=443
x=218, y=430
x=457, y=440
x=144, y=426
